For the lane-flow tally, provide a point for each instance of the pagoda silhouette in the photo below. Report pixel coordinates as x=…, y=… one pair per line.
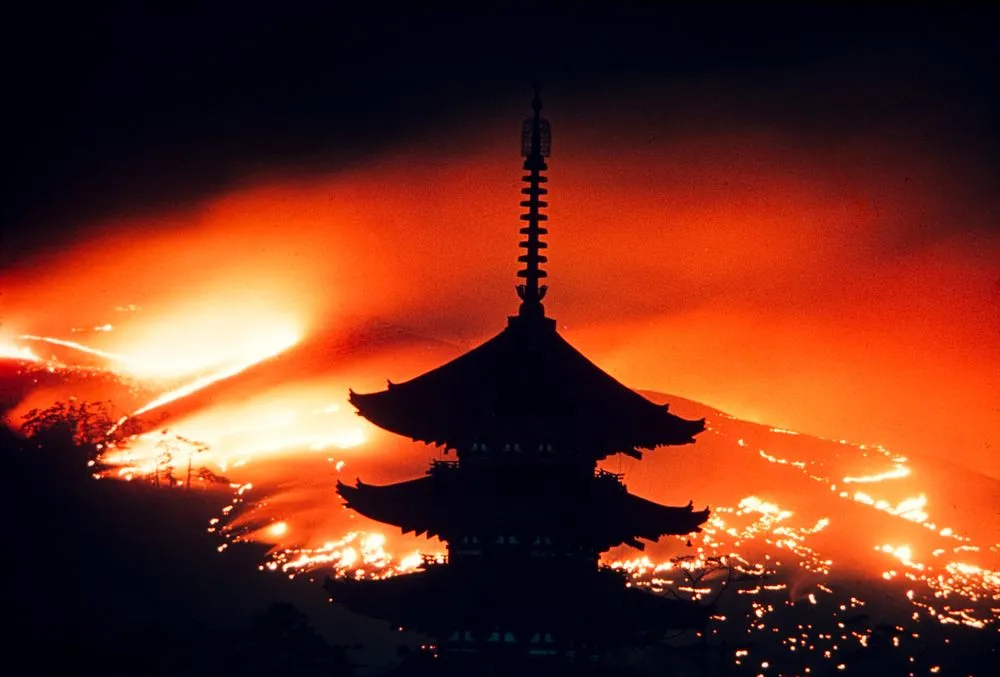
x=524, y=509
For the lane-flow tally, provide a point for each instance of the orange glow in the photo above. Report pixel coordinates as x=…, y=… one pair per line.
x=903, y=553
x=13, y=352
x=280, y=344
x=204, y=347
x=747, y=271
x=743, y=275
x=898, y=472
x=75, y=346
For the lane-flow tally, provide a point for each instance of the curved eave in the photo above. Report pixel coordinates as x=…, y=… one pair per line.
x=528, y=385
x=652, y=521
x=426, y=506
x=440, y=422
x=411, y=505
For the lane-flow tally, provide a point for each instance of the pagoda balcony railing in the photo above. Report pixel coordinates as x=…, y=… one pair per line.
x=616, y=478
x=512, y=452
x=441, y=467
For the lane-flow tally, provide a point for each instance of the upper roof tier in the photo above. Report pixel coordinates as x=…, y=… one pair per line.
x=525, y=390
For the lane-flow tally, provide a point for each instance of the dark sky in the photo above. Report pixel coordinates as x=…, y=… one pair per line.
x=129, y=109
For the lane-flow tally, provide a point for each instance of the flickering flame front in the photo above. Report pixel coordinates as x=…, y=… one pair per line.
x=358, y=555
x=209, y=439
x=279, y=345
x=9, y=351
x=169, y=358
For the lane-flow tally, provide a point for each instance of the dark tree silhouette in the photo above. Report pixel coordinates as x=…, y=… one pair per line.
x=91, y=428
x=174, y=447
x=70, y=424
x=285, y=643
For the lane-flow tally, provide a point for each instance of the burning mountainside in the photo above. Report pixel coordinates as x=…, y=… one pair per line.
x=816, y=551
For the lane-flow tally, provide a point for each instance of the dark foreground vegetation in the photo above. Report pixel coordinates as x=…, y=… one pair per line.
x=115, y=578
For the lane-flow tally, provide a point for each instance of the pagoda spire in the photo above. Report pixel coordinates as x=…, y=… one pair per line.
x=536, y=138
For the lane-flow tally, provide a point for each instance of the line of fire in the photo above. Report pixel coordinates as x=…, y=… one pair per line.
x=524, y=509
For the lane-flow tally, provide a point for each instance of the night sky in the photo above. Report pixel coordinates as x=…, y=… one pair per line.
x=131, y=109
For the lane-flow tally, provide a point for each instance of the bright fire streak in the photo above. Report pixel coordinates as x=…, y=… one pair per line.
x=903, y=553
x=342, y=440
x=754, y=504
x=114, y=357
x=283, y=344
x=12, y=352
x=202, y=347
x=278, y=529
x=357, y=554
x=898, y=472
x=911, y=509
x=142, y=457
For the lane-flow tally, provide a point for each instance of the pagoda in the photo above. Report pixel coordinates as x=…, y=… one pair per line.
x=523, y=507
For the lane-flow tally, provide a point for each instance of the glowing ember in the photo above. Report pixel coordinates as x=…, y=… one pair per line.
x=898, y=472
x=281, y=343
x=13, y=352
x=358, y=554
x=76, y=346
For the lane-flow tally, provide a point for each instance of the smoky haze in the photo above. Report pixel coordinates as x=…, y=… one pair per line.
x=812, y=246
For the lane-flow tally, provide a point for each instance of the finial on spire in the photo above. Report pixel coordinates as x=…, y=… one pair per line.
x=536, y=145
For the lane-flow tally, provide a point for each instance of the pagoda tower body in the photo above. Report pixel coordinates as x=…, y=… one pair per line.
x=524, y=509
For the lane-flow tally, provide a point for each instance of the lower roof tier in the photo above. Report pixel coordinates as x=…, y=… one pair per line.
x=529, y=387
x=597, y=512
x=590, y=607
